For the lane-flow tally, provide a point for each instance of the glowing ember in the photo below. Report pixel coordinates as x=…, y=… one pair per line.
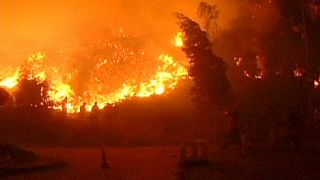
x=238, y=60
x=317, y=83
x=37, y=58
x=299, y=72
x=41, y=76
x=241, y=62
x=179, y=39
x=248, y=75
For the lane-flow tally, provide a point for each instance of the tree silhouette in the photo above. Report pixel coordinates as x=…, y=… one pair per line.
x=4, y=96
x=32, y=92
x=304, y=16
x=209, y=14
x=211, y=87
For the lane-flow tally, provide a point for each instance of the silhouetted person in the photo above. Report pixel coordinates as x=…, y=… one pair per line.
x=83, y=110
x=64, y=109
x=95, y=108
x=64, y=105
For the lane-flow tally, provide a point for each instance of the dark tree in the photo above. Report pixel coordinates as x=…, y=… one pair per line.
x=211, y=87
x=209, y=14
x=295, y=43
x=304, y=16
x=283, y=49
x=4, y=97
x=32, y=92
x=283, y=33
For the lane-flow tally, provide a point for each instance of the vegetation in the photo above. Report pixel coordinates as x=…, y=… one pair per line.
x=32, y=93
x=211, y=87
x=272, y=52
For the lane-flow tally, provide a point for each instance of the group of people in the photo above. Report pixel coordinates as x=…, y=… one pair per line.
x=83, y=108
x=94, y=109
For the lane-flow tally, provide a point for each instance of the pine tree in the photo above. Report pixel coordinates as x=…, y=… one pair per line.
x=211, y=87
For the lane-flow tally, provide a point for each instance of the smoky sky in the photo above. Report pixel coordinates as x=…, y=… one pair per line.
x=64, y=25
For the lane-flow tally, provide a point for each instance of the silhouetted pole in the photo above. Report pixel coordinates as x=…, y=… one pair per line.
x=104, y=164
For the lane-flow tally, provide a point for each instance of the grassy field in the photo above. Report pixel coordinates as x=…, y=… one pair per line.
x=162, y=163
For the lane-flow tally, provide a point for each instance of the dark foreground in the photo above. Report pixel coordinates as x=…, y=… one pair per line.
x=162, y=163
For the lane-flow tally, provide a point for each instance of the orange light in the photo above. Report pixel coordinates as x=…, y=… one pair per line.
x=11, y=81
x=179, y=40
x=317, y=83
x=164, y=78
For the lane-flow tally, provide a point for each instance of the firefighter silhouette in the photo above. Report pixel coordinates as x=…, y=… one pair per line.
x=64, y=104
x=95, y=108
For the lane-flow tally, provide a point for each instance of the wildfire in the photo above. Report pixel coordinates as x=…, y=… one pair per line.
x=101, y=84
x=12, y=81
x=241, y=63
x=317, y=83
x=164, y=78
x=257, y=77
x=59, y=91
x=179, y=39
x=299, y=72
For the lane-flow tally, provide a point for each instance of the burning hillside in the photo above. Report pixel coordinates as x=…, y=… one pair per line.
x=115, y=70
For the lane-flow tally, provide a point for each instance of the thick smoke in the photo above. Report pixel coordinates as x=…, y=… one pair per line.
x=71, y=32
x=66, y=26
x=255, y=19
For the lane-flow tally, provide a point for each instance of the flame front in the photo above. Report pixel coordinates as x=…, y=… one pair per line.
x=164, y=78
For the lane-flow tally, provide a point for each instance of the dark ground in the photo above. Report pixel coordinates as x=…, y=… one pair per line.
x=162, y=163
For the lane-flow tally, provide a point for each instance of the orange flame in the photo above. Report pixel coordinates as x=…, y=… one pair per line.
x=165, y=78
x=11, y=81
x=179, y=39
x=317, y=83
